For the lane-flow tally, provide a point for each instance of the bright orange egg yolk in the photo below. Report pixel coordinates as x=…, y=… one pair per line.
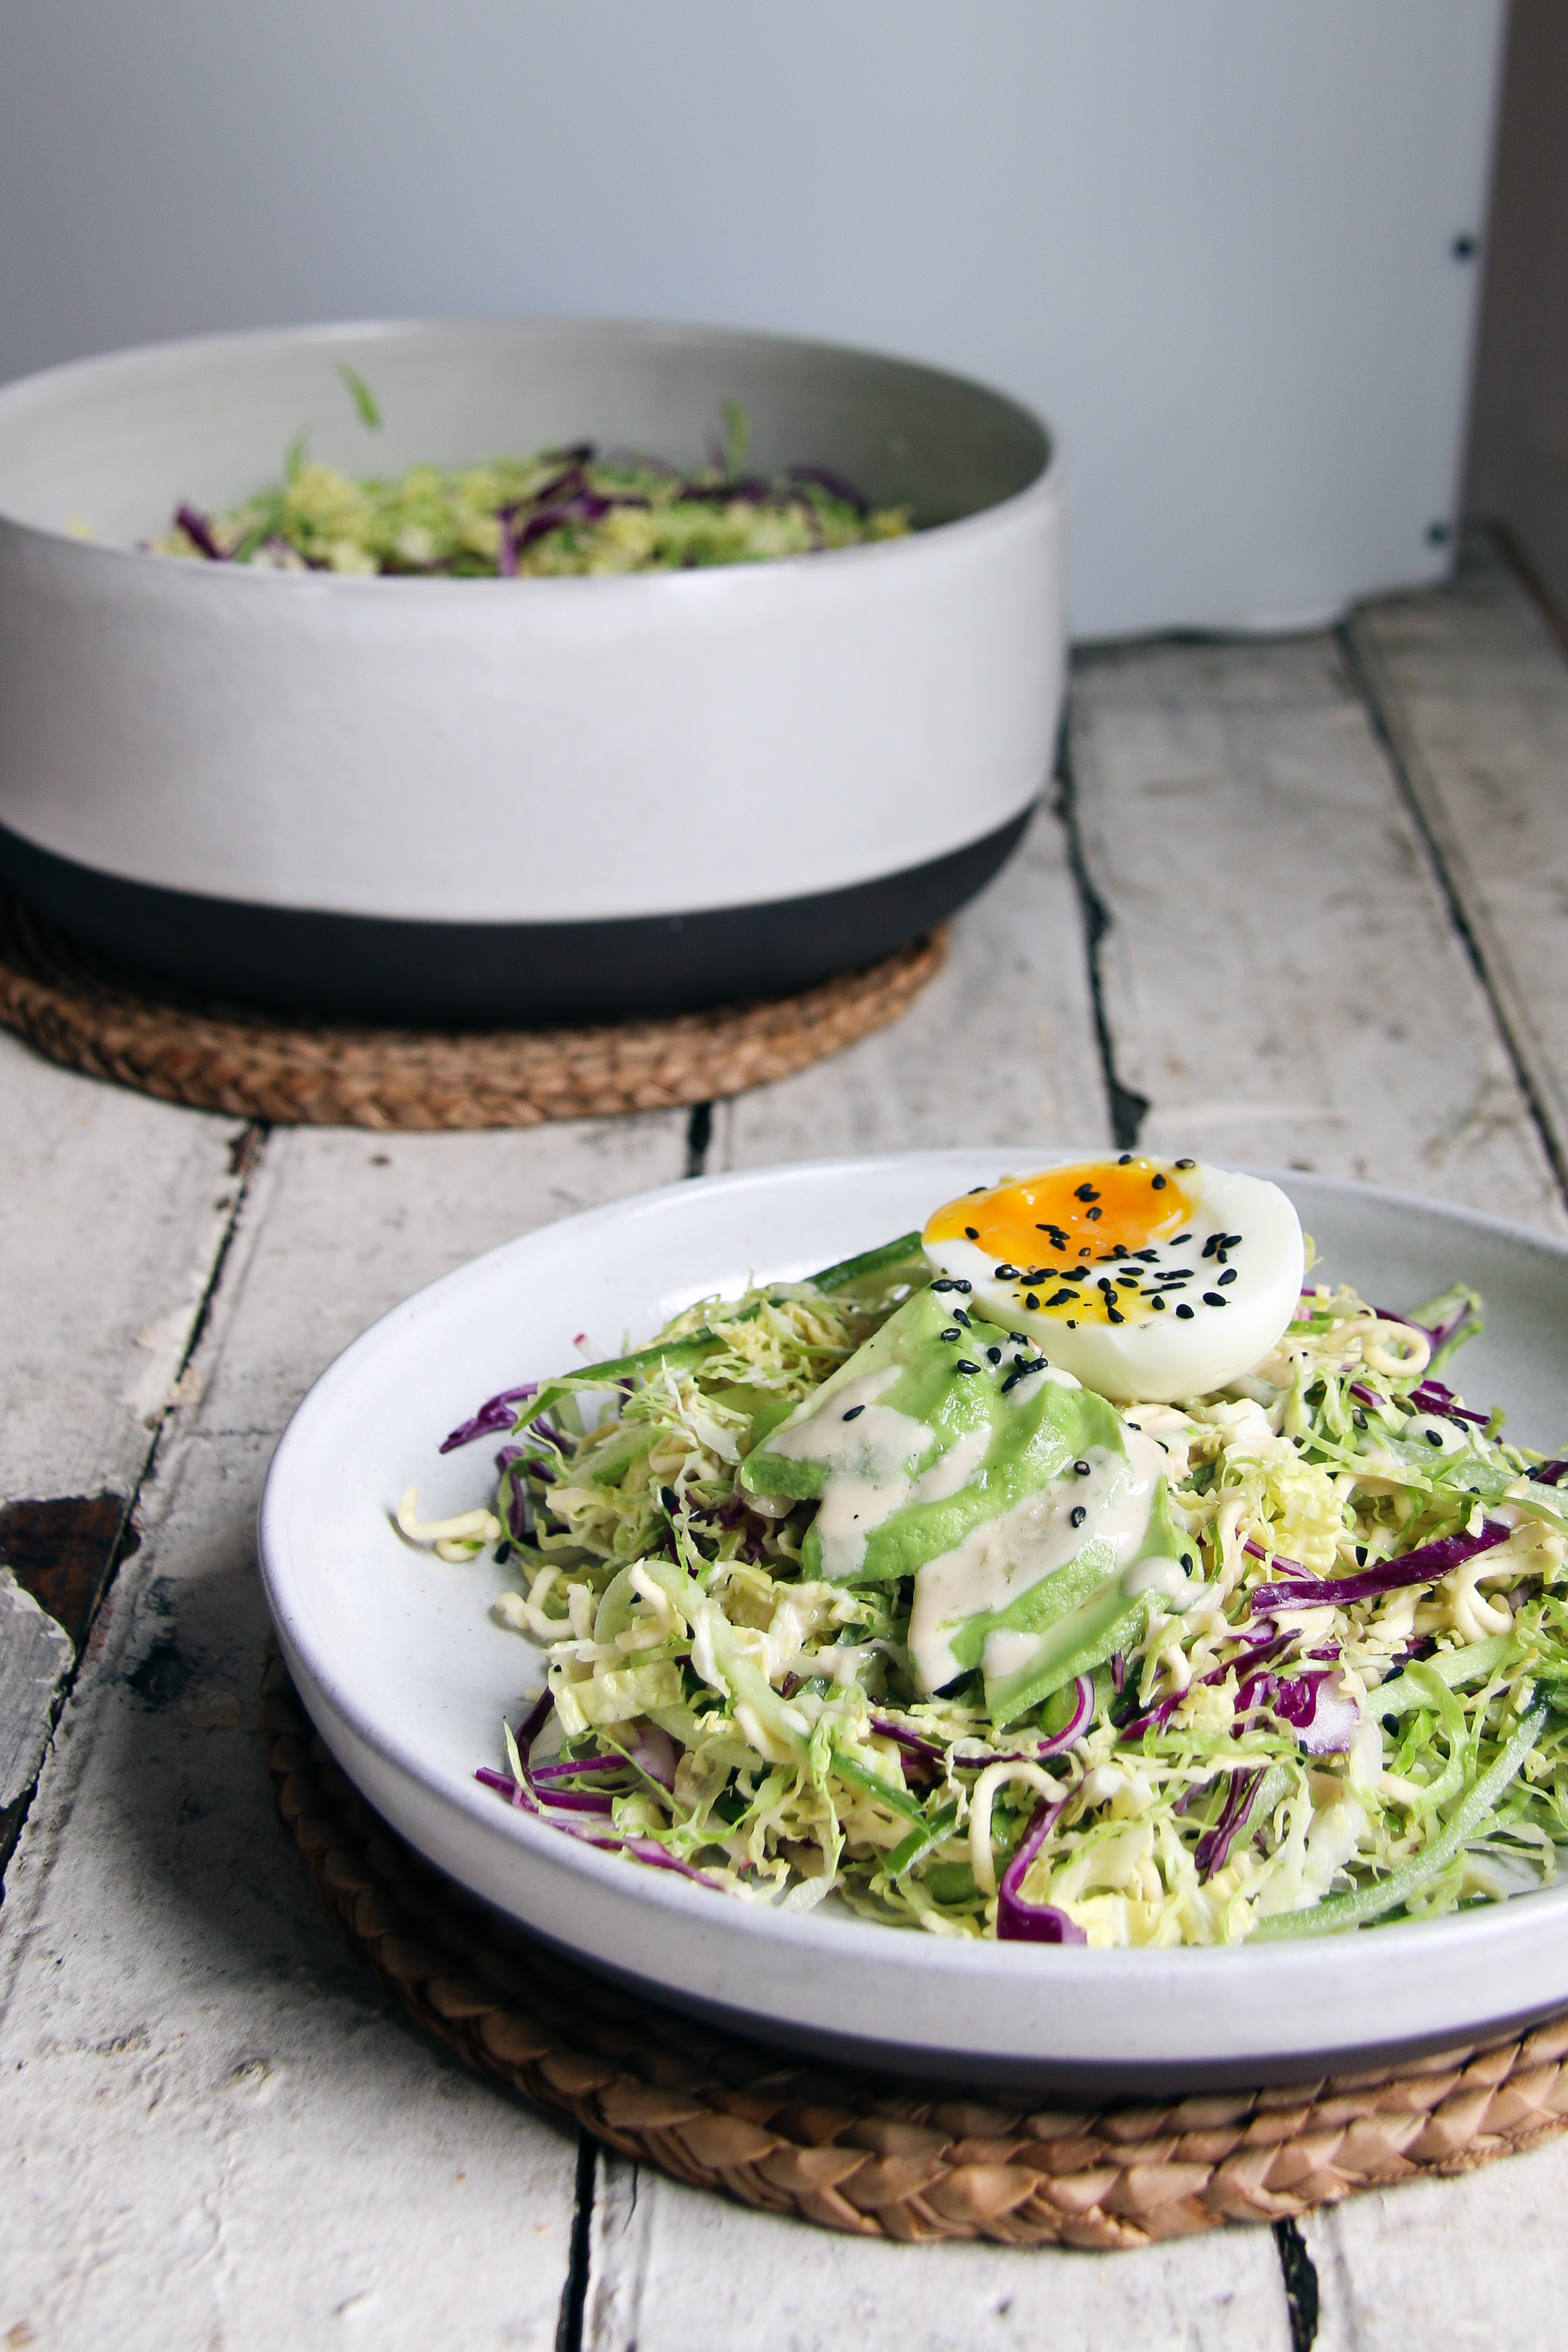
x=1069, y=1215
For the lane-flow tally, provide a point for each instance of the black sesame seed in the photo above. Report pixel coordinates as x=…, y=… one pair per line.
x=1179, y=1237
x=1083, y=1253
x=1391, y=1723
x=1157, y=1302
x=972, y=1232
x=963, y=1365
x=952, y=1333
x=1186, y=1163
x=1127, y=1281
x=1006, y=1273
x=1158, y=1183
x=1213, y=1244
x=1078, y=1514
x=1081, y=1469
x=1092, y=1215
x=1031, y=1299
x=960, y=1317
x=1071, y=1325
x=944, y=1283
x=1060, y=1299
x=1432, y=1437
x=1125, y=1160
x=965, y=1286
x=1148, y=1256
x=1112, y=1316
x=992, y=1355
x=669, y=1498
x=1214, y=1299
x=854, y=1413
x=1185, y=1313
x=1018, y=1339
x=1085, y=1192
x=1359, y=1418
x=1229, y=1276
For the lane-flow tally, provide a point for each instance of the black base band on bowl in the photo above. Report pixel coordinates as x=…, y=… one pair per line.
x=299, y=961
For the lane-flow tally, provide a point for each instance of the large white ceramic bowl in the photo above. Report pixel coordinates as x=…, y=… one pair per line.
x=496, y=799
x=407, y=1676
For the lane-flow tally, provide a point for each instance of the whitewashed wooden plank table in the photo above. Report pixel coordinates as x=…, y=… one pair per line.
x=1301, y=902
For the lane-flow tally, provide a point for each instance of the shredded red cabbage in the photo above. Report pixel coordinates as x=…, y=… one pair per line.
x=533, y=1723
x=655, y=1754
x=1549, y=1474
x=1423, y=1566
x=1018, y=1921
x=197, y=528
x=838, y=486
x=497, y=1413
x=568, y=1769
x=640, y=1848
x=1318, y=1708
x=1264, y=1646
x=1213, y=1848
x=1436, y=1397
x=924, y=1753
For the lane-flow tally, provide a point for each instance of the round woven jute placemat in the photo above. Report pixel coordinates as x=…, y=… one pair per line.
x=111, y=1024
x=857, y=2152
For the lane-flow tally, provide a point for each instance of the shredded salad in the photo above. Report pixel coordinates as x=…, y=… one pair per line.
x=1356, y=1711
x=559, y=512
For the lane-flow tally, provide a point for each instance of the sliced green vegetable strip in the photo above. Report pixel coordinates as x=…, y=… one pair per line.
x=920, y=1843
x=898, y=1800
x=1369, y=1903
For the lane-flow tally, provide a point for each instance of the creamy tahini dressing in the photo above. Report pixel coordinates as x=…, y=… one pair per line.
x=1007, y=1557
x=870, y=1462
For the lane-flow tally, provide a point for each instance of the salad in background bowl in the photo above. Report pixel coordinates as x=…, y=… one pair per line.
x=637, y=789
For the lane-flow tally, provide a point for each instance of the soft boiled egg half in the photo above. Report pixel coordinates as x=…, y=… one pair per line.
x=1148, y=1279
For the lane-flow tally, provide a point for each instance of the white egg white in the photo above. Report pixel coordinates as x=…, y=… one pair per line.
x=1237, y=1268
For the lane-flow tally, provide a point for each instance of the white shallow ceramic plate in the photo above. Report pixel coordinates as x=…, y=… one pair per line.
x=407, y=1676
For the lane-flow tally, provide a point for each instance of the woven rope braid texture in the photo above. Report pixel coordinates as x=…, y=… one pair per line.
x=854, y=2153
x=82, y=1011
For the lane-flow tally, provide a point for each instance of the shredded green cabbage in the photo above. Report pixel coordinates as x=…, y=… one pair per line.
x=558, y=512
x=677, y=1623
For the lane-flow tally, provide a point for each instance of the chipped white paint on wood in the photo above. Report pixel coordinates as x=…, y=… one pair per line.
x=220, y=2130
x=35, y=1655
x=1282, y=976
x=675, y=2270
x=112, y=1209
x=1474, y=689
x=999, y=1049
x=1475, y=2264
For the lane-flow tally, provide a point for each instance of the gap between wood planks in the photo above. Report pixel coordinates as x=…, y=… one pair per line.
x=1128, y=1108
x=70, y=1550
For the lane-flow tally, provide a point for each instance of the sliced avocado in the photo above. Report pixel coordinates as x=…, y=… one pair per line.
x=932, y=1433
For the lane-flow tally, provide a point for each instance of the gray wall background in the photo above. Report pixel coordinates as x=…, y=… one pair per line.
x=1519, y=457
x=1213, y=242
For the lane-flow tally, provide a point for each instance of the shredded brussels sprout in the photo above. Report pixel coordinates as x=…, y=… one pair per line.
x=558, y=512
x=1308, y=1744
